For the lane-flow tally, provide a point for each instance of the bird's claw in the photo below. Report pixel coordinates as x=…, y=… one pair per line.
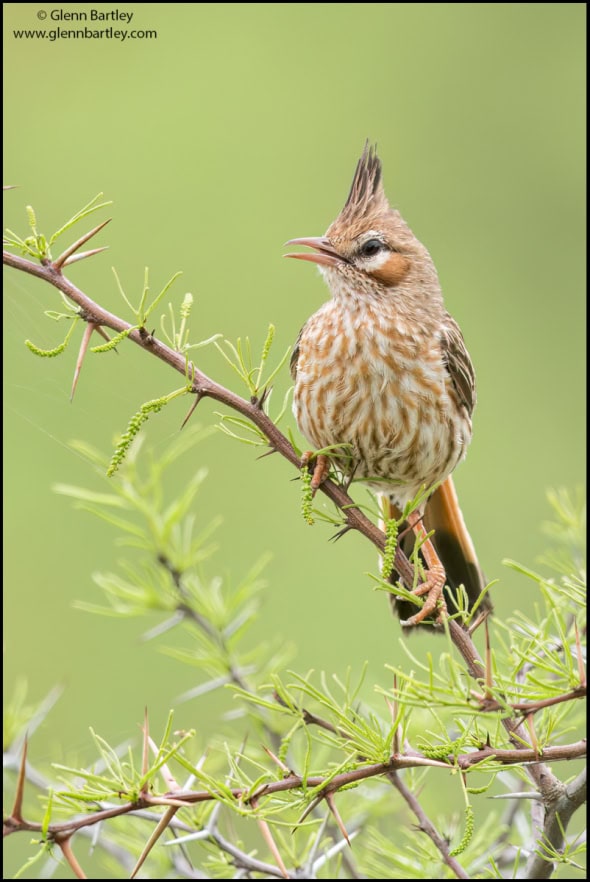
x=320, y=470
x=433, y=589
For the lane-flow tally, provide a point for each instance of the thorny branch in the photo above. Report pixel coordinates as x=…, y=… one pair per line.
x=184, y=799
x=204, y=387
x=559, y=801
x=426, y=825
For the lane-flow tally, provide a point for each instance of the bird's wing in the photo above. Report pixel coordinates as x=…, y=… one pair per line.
x=295, y=355
x=458, y=363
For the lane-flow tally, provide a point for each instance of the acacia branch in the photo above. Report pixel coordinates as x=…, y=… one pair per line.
x=558, y=805
x=184, y=799
x=540, y=865
x=204, y=387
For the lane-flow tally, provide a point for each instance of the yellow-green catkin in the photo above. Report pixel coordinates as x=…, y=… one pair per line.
x=306, y=496
x=467, y=835
x=268, y=342
x=391, y=527
x=112, y=343
x=186, y=305
x=437, y=751
x=133, y=428
x=45, y=353
x=51, y=353
x=31, y=217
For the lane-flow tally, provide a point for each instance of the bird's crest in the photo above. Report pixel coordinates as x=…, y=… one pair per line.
x=367, y=196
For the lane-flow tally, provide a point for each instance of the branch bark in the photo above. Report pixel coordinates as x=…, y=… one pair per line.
x=205, y=387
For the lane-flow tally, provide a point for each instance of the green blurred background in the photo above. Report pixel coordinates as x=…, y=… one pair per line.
x=234, y=130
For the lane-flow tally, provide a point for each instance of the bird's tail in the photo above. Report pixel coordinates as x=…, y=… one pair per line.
x=452, y=543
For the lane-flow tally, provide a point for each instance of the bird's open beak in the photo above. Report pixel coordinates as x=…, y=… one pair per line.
x=324, y=252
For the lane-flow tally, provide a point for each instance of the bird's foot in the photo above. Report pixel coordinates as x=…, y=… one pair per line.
x=320, y=470
x=433, y=589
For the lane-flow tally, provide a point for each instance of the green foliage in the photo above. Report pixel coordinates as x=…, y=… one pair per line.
x=144, y=309
x=179, y=338
x=21, y=718
x=258, y=383
x=565, y=858
x=240, y=359
x=316, y=736
x=45, y=850
x=37, y=245
x=84, y=212
x=123, y=779
x=167, y=578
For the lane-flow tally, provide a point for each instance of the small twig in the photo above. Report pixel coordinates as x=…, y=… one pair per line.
x=278, y=761
x=146, y=750
x=580, y=658
x=63, y=257
x=70, y=857
x=426, y=825
x=339, y=822
x=530, y=721
x=246, y=861
x=192, y=409
x=16, y=815
x=489, y=674
x=163, y=823
x=88, y=330
x=269, y=839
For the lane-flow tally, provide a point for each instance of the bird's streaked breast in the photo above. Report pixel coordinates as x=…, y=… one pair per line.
x=364, y=380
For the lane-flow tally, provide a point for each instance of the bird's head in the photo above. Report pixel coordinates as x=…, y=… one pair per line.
x=369, y=246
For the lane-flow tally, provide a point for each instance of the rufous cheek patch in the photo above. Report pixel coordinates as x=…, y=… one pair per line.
x=393, y=271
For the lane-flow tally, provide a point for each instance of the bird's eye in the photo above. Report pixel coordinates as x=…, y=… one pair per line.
x=371, y=247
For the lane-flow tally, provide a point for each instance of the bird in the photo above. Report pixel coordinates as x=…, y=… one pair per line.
x=382, y=377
